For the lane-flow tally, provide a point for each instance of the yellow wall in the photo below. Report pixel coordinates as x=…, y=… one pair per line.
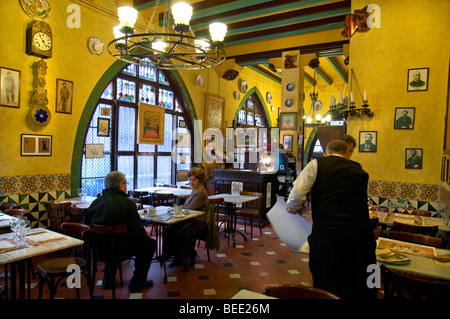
x=413, y=34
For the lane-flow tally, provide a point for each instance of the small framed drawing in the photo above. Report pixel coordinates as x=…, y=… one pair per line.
x=64, y=93
x=181, y=124
x=368, y=141
x=418, y=79
x=9, y=87
x=102, y=127
x=36, y=145
x=287, y=142
x=288, y=121
x=404, y=118
x=94, y=150
x=413, y=158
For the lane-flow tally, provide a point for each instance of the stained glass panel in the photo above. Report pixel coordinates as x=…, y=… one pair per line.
x=147, y=94
x=166, y=99
x=126, y=90
x=107, y=93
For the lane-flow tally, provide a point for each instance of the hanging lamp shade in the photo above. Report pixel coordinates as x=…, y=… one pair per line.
x=182, y=13
x=218, y=31
x=127, y=16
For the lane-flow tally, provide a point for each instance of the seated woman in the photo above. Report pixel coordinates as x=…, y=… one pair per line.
x=182, y=235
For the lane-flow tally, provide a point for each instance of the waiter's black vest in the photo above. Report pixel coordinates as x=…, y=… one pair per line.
x=339, y=194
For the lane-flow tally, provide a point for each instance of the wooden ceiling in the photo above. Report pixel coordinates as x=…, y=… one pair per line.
x=260, y=30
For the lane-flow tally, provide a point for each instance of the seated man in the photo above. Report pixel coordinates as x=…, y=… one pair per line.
x=115, y=208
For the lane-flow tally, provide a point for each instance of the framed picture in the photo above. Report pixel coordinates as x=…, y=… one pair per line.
x=181, y=124
x=404, y=118
x=247, y=137
x=105, y=111
x=102, y=127
x=151, y=124
x=9, y=87
x=418, y=79
x=94, y=150
x=300, y=140
x=214, y=113
x=287, y=142
x=368, y=141
x=288, y=121
x=64, y=94
x=413, y=158
x=36, y=145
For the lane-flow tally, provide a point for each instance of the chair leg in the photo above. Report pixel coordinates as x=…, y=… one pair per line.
x=207, y=251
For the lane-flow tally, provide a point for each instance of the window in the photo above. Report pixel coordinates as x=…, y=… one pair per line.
x=142, y=164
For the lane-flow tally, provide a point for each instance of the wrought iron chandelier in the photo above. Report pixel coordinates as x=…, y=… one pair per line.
x=167, y=50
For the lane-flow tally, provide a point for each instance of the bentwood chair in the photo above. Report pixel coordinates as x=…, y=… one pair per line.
x=4, y=206
x=399, y=285
x=250, y=210
x=103, y=246
x=53, y=271
x=415, y=238
x=76, y=213
x=293, y=291
x=423, y=213
x=59, y=213
x=163, y=199
x=143, y=196
x=416, y=229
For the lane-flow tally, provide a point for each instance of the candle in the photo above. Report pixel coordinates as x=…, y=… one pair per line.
x=340, y=98
x=351, y=97
x=332, y=101
x=365, y=97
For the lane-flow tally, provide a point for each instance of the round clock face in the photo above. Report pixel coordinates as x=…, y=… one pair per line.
x=42, y=41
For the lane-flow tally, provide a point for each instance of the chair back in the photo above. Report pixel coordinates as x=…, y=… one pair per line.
x=58, y=214
x=143, y=196
x=80, y=231
x=254, y=206
x=292, y=291
x=76, y=213
x=416, y=229
x=169, y=185
x=400, y=285
x=380, y=209
x=415, y=238
x=18, y=212
x=104, y=241
x=163, y=199
x=185, y=187
x=138, y=202
x=423, y=213
x=4, y=206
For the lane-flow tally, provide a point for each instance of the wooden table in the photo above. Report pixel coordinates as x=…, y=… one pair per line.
x=166, y=190
x=162, y=220
x=230, y=201
x=4, y=220
x=36, y=247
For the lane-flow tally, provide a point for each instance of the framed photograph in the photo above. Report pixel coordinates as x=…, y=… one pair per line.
x=288, y=121
x=9, y=87
x=418, y=79
x=214, y=113
x=368, y=141
x=404, y=118
x=102, y=127
x=64, y=94
x=151, y=124
x=287, y=142
x=36, y=145
x=300, y=140
x=105, y=111
x=413, y=158
x=94, y=150
x=181, y=124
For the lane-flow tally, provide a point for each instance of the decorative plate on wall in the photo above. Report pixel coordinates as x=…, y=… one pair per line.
x=269, y=97
x=288, y=102
x=96, y=45
x=200, y=81
x=237, y=95
x=244, y=86
x=38, y=10
x=290, y=87
x=317, y=106
x=41, y=115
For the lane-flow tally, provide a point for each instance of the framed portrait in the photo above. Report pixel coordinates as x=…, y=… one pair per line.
x=288, y=121
x=404, y=118
x=417, y=79
x=368, y=141
x=300, y=140
x=287, y=142
x=214, y=113
x=181, y=124
x=105, y=111
x=151, y=124
x=36, y=145
x=64, y=94
x=9, y=87
x=94, y=150
x=102, y=127
x=413, y=158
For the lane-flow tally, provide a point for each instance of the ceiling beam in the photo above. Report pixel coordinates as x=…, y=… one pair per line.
x=338, y=68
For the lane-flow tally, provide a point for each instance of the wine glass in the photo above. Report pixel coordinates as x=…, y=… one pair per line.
x=14, y=223
x=24, y=227
x=81, y=193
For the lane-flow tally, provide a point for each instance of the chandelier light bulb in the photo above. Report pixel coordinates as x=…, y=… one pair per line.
x=118, y=33
x=159, y=45
x=127, y=16
x=182, y=13
x=318, y=117
x=309, y=120
x=218, y=31
x=201, y=44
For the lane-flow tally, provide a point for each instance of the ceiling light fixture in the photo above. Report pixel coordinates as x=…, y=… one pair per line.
x=167, y=50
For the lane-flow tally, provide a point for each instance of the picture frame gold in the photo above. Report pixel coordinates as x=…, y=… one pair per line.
x=64, y=96
x=151, y=124
x=288, y=121
x=214, y=111
x=9, y=87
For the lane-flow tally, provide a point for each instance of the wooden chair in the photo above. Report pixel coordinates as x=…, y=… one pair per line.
x=185, y=187
x=169, y=185
x=292, y=291
x=250, y=210
x=163, y=199
x=416, y=229
x=399, y=285
x=103, y=249
x=59, y=213
x=18, y=212
x=381, y=209
x=375, y=226
x=138, y=203
x=423, y=213
x=4, y=206
x=144, y=196
x=76, y=213
x=221, y=218
x=53, y=271
x=415, y=238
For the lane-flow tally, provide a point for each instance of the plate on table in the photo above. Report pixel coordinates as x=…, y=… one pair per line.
x=179, y=215
x=393, y=258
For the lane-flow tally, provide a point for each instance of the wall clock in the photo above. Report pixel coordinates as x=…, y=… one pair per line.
x=96, y=45
x=39, y=40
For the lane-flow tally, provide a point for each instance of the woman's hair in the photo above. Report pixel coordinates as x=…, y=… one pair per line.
x=198, y=173
x=113, y=179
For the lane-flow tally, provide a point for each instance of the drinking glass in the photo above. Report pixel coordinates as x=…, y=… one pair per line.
x=14, y=223
x=81, y=193
x=24, y=227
